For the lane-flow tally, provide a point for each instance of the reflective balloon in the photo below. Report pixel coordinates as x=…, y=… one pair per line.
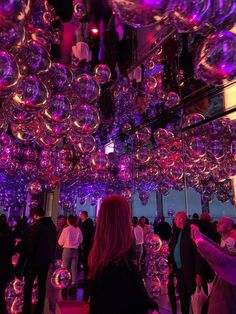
x=86, y=144
x=66, y=152
x=102, y=73
x=34, y=299
x=79, y=10
x=126, y=127
x=35, y=187
x=99, y=161
x=192, y=118
x=216, y=148
x=163, y=137
x=57, y=78
x=216, y=59
x=197, y=147
x=87, y=88
x=30, y=153
x=125, y=175
x=18, y=286
x=11, y=37
x=31, y=58
x=26, y=133
x=3, y=123
x=30, y=94
x=223, y=14
x=126, y=193
x=58, y=109
x=46, y=141
x=142, y=135
x=233, y=149
x=162, y=265
x=17, y=115
x=17, y=305
x=60, y=279
x=12, y=12
x=150, y=83
x=144, y=197
x=9, y=293
x=172, y=100
x=9, y=73
x=153, y=242
x=189, y=16
x=176, y=172
x=5, y=140
x=142, y=154
x=143, y=14
x=57, y=130
x=85, y=119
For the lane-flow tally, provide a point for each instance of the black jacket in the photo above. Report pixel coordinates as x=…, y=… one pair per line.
x=190, y=260
x=119, y=290
x=87, y=229
x=163, y=229
x=6, y=251
x=39, y=242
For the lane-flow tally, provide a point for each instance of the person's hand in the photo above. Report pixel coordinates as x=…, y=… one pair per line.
x=195, y=233
x=199, y=280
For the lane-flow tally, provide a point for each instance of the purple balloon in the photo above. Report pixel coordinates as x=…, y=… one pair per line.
x=31, y=94
x=11, y=37
x=58, y=77
x=189, y=16
x=223, y=14
x=58, y=109
x=31, y=58
x=9, y=73
x=216, y=58
x=11, y=11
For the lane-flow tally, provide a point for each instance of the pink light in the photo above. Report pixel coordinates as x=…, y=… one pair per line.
x=94, y=31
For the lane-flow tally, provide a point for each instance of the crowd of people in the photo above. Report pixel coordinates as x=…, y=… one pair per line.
x=202, y=253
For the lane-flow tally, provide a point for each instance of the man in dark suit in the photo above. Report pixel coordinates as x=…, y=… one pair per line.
x=163, y=229
x=87, y=229
x=185, y=261
x=37, y=246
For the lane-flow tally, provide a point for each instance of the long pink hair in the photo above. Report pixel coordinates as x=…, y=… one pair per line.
x=113, y=235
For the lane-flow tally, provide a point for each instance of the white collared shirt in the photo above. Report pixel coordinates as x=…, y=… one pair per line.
x=71, y=237
x=138, y=234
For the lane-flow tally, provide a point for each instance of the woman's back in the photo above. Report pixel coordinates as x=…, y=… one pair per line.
x=119, y=290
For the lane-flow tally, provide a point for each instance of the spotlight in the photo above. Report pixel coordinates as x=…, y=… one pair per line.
x=94, y=31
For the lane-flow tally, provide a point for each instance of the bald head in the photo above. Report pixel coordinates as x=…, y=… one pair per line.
x=224, y=226
x=181, y=220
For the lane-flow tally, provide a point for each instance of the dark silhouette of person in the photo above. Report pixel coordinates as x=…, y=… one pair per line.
x=6, y=268
x=37, y=248
x=87, y=228
x=163, y=229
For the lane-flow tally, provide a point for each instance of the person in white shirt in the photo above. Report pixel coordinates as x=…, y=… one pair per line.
x=231, y=241
x=224, y=227
x=138, y=234
x=70, y=239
